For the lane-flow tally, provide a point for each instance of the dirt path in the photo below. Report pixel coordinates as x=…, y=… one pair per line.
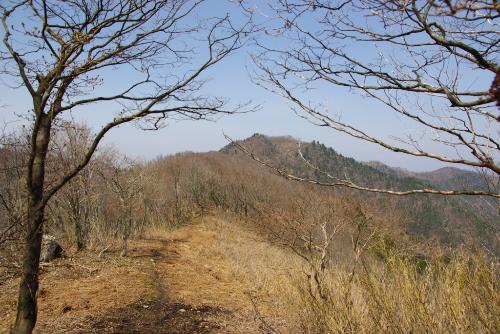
x=179, y=283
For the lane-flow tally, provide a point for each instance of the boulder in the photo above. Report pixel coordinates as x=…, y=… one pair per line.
x=50, y=248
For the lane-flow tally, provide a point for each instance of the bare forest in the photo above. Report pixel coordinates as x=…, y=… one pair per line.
x=266, y=234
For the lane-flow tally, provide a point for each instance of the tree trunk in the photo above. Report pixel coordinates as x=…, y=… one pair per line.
x=26, y=304
x=81, y=228
x=75, y=198
x=79, y=235
x=126, y=235
x=124, y=246
x=178, y=215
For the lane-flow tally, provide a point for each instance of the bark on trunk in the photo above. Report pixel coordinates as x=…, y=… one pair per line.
x=126, y=234
x=80, y=243
x=81, y=227
x=76, y=216
x=27, y=303
x=124, y=247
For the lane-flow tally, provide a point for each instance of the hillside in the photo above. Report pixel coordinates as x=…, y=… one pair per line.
x=220, y=244
x=451, y=220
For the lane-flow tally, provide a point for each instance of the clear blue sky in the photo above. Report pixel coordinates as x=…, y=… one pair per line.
x=230, y=79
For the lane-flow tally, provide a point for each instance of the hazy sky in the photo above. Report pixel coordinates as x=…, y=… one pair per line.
x=231, y=79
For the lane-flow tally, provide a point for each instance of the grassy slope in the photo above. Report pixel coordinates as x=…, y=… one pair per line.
x=223, y=277
x=172, y=282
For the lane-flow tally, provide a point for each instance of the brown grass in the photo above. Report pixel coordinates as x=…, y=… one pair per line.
x=222, y=277
x=452, y=294
x=75, y=288
x=175, y=282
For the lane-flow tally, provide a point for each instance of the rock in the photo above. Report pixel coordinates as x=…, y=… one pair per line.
x=67, y=308
x=50, y=248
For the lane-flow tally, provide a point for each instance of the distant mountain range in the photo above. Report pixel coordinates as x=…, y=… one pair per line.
x=453, y=220
x=445, y=178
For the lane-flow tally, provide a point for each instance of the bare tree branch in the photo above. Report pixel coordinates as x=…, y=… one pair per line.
x=64, y=55
x=427, y=61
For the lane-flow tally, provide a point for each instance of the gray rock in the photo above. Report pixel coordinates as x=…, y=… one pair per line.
x=50, y=248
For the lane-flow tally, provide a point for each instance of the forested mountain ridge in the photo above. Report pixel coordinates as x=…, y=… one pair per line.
x=458, y=220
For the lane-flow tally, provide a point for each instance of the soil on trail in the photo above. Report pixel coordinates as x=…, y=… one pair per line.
x=177, y=283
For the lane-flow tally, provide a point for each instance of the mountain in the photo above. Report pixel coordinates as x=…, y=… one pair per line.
x=452, y=220
x=445, y=178
x=282, y=152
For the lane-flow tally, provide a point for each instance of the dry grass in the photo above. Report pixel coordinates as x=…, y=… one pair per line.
x=397, y=295
x=456, y=297
x=263, y=267
x=226, y=278
x=72, y=289
x=202, y=275
x=182, y=277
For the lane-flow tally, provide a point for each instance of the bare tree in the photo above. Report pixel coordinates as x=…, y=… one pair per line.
x=12, y=167
x=127, y=182
x=60, y=52
x=199, y=188
x=430, y=62
x=75, y=199
x=176, y=174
